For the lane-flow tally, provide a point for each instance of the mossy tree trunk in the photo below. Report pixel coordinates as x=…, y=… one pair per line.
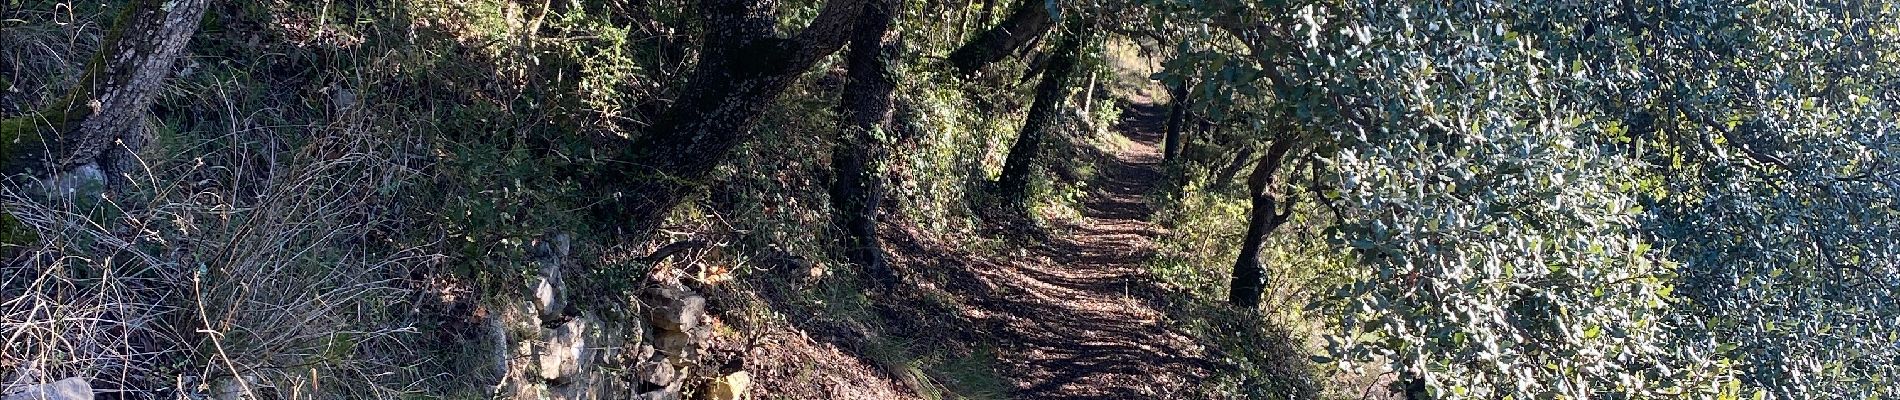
x=1249, y=278
x=107, y=103
x=1027, y=22
x=110, y=100
x=866, y=109
x=1044, y=114
x=743, y=67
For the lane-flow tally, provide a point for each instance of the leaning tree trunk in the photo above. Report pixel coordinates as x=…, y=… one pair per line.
x=1177, y=117
x=866, y=107
x=107, y=104
x=1043, y=115
x=1224, y=177
x=742, y=69
x=110, y=99
x=1027, y=22
x=1249, y=277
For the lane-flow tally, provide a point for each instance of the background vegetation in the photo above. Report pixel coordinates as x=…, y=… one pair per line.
x=1598, y=199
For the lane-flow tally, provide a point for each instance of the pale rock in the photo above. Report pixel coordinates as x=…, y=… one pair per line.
x=565, y=352
x=343, y=98
x=74, y=388
x=236, y=389
x=547, y=298
x=84, y=180
x=676, y=309
x=679, y=344
x=731, y=387
x=550, y=291
x=659, y=395
x=644, y=351
x=658, y=372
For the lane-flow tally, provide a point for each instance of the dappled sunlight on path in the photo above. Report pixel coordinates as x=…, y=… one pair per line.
x=1070, y=314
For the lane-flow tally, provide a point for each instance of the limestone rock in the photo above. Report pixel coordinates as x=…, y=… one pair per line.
x=550, y=290
x=644, y=351
x=731, y=387
x=74, y=388
x=659, y=395
x=676, y=309
x=83, y=180
x=680, y=344
x=566, y=352
x=658, y=372
x=236, y=388
x=548, y=301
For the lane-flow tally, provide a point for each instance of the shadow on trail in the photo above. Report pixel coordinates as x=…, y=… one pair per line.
x=1065, y=313
x=1072, y=314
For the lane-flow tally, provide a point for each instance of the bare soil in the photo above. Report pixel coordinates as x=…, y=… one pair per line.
x=1064, y=312
x=1072, y=312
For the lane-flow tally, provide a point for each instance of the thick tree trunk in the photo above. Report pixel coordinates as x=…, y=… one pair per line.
x=1043, y=116
x=1249, y=279
x=1027, y=22
x=742, y=70
x=1177, y=117
x=866, y=107
x=108, y=103
x=110, y=100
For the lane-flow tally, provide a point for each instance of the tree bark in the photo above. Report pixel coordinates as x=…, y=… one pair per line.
x=1225, y=176
x=1249, y=279
x=110, y=100
x=866, y=109
x=742, y=69
x=1177, y=117
x=1088, y=95
x=1043, y=116
x=108, y=103
x=1028, y=21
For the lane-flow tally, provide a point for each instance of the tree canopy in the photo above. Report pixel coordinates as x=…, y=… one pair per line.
x=1586, y=199
x=1514, y=199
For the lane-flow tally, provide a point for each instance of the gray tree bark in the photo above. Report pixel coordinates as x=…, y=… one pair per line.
x=110, y=100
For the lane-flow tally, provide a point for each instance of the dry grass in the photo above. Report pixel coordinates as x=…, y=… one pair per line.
x=205, y=274
x=35, y=57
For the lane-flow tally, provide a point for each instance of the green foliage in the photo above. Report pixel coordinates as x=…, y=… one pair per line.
x=950, y=146
x=1589, y=200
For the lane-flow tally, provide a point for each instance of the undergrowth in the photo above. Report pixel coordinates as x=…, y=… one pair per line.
x=336, y=191
x=1271, y=345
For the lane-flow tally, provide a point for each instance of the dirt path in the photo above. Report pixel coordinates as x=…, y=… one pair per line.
x=1087, y=332
x=1068, y=315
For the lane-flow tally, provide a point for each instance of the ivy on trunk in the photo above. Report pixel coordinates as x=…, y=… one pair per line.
x=866, y=107
x=1043, y=116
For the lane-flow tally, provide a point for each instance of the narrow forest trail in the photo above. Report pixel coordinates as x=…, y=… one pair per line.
x=1069, y=315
